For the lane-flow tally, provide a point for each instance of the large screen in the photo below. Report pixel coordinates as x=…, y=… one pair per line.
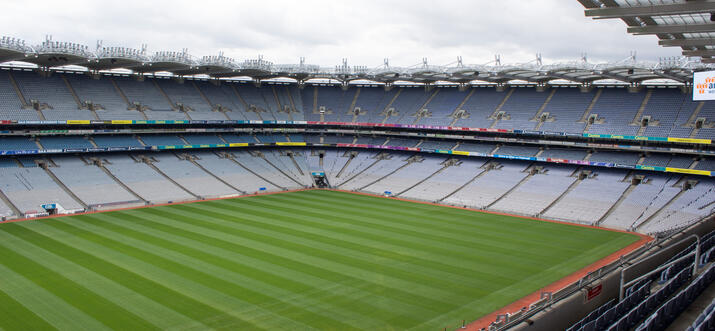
x=704, y=86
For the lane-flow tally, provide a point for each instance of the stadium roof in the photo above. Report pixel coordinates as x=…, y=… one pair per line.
x=53, y=54
x=688, y=24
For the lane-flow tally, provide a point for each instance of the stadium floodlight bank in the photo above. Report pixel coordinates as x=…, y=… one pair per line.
x=181, y=63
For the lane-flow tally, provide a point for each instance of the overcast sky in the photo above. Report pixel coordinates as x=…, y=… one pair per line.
x=324, y=32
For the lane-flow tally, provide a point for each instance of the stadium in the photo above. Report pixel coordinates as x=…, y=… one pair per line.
x=159, y=190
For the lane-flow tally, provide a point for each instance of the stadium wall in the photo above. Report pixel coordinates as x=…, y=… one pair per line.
x=570, y=310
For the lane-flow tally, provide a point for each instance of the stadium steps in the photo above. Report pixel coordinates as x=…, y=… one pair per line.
x=281, y=171
x=378, y=158
x=663, y=208
x=141, y=141
x=201, y=94
x=277, y=100
x=501, y=104
x=494, y=151
x=126, y=100
x=562, y=195
x=543, y=106
x=694, y=115
x=222, y=139
x=315, y=100
x=18, y=92
x=295, y=163
x=694, y=164
x=292, y=102
x=72, y=92
x=587, y=127
x=538, y=125
x=424, y=105
x=269, y=110
x=387, y=175
x=148, y=162
x=389, y=104
x=494, y=123
x=615, y=206
x=448, y=163
x=192, y=159
x=456, y=146
x=120, y=92
x=37, y=142
x=101, y=166
x=637, y=118
x=694, y=132
x=641, y=130
x=351, y=110
x=91, y=141
x=232, y=158
x=532, y=171
x=62, y=185
x=9, y=203
x=181, y=137
x=586, y=113
x=487, y=167
x=461, y=104
x=240, y=98
x=290, y=107
x=641, y=159
x=77, y=100
x=340, y=173
x=588, y=155
x=163, y=93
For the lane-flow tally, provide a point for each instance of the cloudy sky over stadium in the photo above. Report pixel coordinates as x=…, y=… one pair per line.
x=324, y=32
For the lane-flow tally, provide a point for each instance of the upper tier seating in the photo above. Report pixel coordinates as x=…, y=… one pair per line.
x=668, y=108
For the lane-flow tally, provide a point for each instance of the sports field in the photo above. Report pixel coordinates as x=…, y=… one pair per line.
x=293, y=261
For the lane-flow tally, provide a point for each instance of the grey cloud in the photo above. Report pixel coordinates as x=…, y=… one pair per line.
x=326, y=31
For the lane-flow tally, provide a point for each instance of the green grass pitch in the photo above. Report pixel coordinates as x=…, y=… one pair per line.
x=293, y=261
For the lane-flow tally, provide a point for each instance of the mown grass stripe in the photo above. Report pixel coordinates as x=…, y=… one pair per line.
x=366, y=250
x=303, y=260
x=93, y=304
x=475, y=222
x=327, y=269
x=314, y=299
x=200, y=303
x=353, y=297
x=432, y=219
x=15, y=316
x=437, y=250
x=481, y=242
x=156, y=314
x=289, y=312
x=53, y=309
x=336, y=261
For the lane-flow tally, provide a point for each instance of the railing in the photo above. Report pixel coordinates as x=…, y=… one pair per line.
x=122, y=52
x=58, y=47
x=586, y=281
x=14, y=44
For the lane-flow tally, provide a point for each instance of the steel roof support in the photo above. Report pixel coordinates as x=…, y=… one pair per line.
x=675, y=28
x=692, y=7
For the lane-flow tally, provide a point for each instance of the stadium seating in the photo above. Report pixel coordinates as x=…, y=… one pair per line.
x=89, y=183
x=591, y=198
x=564, y=107
x=29, y=188
x=143, y=180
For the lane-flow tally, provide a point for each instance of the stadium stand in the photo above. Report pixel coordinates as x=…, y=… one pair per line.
x=560, y=109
